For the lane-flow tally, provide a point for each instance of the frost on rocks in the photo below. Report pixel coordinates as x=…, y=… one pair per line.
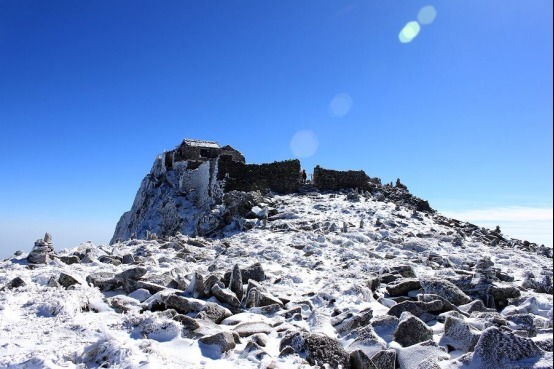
x=201, y=277
x=496, y=349
x=43, y=250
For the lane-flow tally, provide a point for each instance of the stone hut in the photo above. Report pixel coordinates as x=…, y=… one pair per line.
x=196, y=152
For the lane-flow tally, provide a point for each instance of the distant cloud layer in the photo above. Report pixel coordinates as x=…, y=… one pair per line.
x=527, y=223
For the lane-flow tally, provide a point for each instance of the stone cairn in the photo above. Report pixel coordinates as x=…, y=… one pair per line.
x=42, y=251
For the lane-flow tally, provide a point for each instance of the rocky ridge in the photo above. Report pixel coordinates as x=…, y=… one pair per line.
x=337, y=279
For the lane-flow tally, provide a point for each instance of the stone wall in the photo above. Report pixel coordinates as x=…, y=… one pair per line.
x=327, y=179
x=281, y=177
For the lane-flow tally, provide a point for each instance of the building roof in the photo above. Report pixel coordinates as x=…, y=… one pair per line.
x=201, y=143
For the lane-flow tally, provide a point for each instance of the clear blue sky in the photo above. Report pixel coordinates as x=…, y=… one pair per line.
x=92, y=91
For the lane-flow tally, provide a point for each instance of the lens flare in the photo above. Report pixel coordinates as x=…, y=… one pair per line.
x=427, y=14
x=304, y=144
x=409, y=32
x=341, y=105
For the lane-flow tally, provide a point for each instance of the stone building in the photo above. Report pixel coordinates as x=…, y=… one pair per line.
x=197, y=152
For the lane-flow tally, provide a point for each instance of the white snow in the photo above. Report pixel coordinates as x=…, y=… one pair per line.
x=304, y=253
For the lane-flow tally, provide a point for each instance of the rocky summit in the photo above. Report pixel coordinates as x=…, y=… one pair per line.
x=223, y=264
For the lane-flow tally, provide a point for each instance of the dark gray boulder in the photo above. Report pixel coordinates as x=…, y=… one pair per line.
x=459, y=335
x=359, y=360
x=190, y=325
x=14, y=283
x=215, y=345
x=214, y=312
x=104, y=281
x=496, y=349
x=254, y=352
x=182, y=304
x=71, y=259
x=225, y=295
x=412, y=330
x=345, y=324
x=321, y=350
x=132, y=273
x=235, y=282
x=445, y=289
x=109, y=260
x=403, y=286
x=502, y=294
x=128, y=259
x=67, y=280
x=384, y=359
x=475, y=306
x=255, y=272
x=417, y=308
x=294, y=339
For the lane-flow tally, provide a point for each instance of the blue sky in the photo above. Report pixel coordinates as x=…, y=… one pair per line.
x=91, y=92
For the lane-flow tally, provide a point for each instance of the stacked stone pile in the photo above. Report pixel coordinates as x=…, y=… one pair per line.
x=43, y=250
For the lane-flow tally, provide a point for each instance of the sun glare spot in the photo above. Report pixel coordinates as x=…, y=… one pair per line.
x=409, y=32
x=341, y=105
x=304, y=144
x=427, y=14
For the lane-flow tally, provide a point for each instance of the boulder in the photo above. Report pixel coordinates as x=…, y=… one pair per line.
x=294, y=339
x=254, y=271
x=321, y=350
x=189, y=324
x=365, y=340
x=249, y=328
x=71, y=259
x=459, y=335
x=104, y=281
x=345, y=324
x=14, y=283
x=403, y=286
x=196, y=288
x=359, y=360
x=501, y=294
x=128, y=259
x=214, y=312
x=182, y=304
x=496, y=349
x=254, y=352
x=385, y=326
x=67, y=280
x=412, y=330
x=215, y=345
x=475, y=306
x=225, y=295
x=417, y=308
x=384, y=359
x=421, y=354
x=235, y=282
x=445, y=289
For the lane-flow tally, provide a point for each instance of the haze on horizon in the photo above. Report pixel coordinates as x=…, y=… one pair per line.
x=453, y=98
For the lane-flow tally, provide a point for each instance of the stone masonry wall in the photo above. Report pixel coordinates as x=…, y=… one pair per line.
x=327, y=179
x=281, y=177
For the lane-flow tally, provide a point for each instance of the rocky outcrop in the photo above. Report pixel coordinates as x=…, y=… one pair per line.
x=184, y=191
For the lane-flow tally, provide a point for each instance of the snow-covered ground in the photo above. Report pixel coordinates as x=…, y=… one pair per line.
x=335, y=266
